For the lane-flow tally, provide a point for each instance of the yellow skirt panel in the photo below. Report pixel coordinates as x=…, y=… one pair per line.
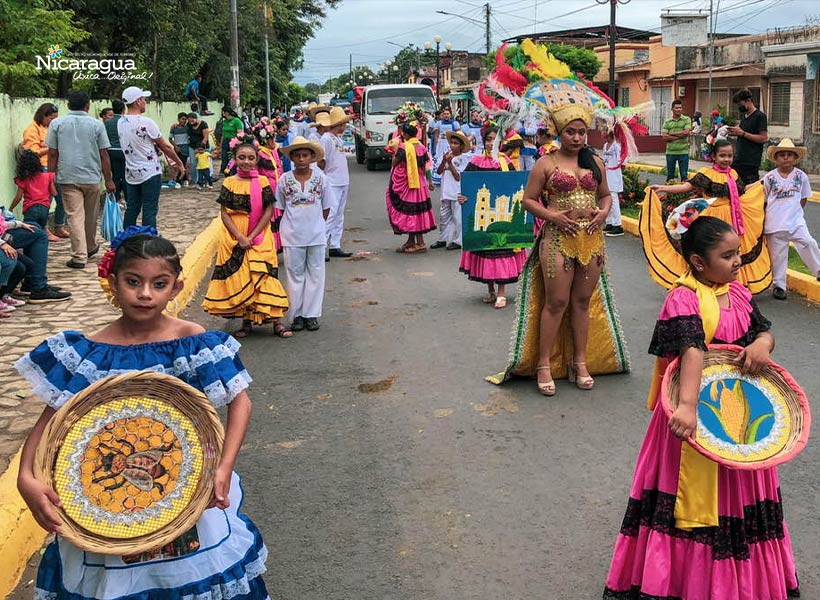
x=245, y=283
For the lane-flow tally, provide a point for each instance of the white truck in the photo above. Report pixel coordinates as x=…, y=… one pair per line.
x=375, y=114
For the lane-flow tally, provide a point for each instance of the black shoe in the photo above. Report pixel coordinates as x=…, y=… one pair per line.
x=327, y=259
x=779, y=293
x=437, y=245
x=614, y=231
x=73, y=264
x=607, y=227
x=47, y=295
x=312, y=324
x=453, y=246
x=339, y=253
x=93, y=251
x=298, y=324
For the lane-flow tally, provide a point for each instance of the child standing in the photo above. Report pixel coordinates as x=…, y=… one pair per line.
x=144, y=277
x=336, y=170
x=244, y=283
x=304, y=196
x=615, y=181
x=695, y=528
x=203, y=168
x=787, y=191
x=35, y=188
x=450, y=167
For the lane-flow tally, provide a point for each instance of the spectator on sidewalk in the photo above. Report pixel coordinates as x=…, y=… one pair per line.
x=676, y=132
x=142, y=143
x=203, y=168
x=231, y=125
x=180, y=140
x=34, y=139
x=78, y=152
x=35, y=188
x=31, y=262
x=198, y=136
x=106, y=114
x=115, y=151
x=751, y=134
x=193, y=94
x=613, y=164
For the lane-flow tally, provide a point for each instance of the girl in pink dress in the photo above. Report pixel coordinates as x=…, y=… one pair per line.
x=409, y=208
x=741, y=551
x=493, y=267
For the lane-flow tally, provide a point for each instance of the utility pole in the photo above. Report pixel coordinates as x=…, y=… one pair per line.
x=352, y=81
x=487, y=36
x=234, y=57
x=267, y=60
x=612, y=35
x=713, y=28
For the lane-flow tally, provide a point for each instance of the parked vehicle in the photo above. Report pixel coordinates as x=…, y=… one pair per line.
x=376, y=110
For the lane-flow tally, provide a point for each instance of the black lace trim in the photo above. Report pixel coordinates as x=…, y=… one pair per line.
x=242, y=202
x=671, y=336
x=481, y=280
x=710, y=188
x=753, y=254
x=276, y=223
x=409, y=208
x=502, y=253
x=230, y=266
x=761, y=522
x=634, y=593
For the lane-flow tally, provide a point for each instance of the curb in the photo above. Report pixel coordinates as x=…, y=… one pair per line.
x=798, y=282
x=21, y=535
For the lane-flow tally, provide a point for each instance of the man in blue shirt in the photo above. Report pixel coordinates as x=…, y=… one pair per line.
x=192, y=93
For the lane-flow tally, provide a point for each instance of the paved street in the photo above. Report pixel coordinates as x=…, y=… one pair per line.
x=380, y=466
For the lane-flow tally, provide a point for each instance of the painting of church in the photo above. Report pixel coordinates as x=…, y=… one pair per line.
x=502, y=209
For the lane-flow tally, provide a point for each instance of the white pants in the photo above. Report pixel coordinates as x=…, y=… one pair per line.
x=336, y=219
x=614, y=216
x=779, y=251
x=450, y=221
x=305, y=280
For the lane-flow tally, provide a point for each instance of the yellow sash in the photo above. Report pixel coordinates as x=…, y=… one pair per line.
x=696, y=504
x=503, y=161
x=412, y=162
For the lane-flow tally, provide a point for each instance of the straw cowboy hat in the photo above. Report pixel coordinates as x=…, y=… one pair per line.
x=786, y=145
x=459, y=135
x=337, y=115
x=321, y=119
x=315, y=109
x=301, y=143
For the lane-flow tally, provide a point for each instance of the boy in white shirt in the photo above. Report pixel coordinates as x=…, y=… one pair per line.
x=335, y=168
x=615, y=181
x=451, y=165
x=304, y=197
x=787, y=190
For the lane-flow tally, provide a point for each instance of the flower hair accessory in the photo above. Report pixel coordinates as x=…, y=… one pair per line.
x=682, y=216
x=107, y=260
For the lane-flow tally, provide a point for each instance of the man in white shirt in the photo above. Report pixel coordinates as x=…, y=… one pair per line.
x=335, y=168
x=142, y=143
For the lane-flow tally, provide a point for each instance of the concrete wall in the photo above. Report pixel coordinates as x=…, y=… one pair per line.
x=16, y=114
x=811, y=164
x=661, y=59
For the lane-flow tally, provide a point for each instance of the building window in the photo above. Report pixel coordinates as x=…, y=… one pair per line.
x=473, y=74
x=624, y=96
x=816, y=124
x=780, y=94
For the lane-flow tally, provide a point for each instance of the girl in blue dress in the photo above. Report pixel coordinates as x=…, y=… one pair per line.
x=225, y=555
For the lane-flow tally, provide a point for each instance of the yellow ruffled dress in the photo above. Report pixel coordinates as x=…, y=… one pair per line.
x=245, y=283
x=664, y=260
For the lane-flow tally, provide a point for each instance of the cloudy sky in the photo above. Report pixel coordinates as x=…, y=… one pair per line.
x=364, y=28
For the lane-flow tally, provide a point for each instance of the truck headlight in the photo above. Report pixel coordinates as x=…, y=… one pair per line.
x=375, y=136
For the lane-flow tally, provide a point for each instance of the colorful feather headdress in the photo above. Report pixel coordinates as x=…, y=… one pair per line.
x=530, y=85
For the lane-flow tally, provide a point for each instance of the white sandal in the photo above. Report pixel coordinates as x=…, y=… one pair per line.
x=547, y=388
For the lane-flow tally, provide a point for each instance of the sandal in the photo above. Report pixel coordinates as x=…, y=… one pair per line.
x=489, y=299
x=244, y=331
x=404, y=248
x=582, y=382
x=500, y=302
x=281, y=331
x=546, y=388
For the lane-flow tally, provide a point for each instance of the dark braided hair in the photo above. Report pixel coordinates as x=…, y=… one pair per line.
x=703, y=234
x=586, y=160
x=408, y=129
x=143, y=247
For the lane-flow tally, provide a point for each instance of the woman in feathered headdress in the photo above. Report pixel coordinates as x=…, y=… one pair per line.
x=568, y=326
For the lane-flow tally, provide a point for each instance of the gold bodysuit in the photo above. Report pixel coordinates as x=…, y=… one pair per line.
x=565, y=192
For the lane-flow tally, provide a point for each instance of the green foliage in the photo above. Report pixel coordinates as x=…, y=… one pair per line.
x=172, y=39
x=634, y=188
x=580, y=60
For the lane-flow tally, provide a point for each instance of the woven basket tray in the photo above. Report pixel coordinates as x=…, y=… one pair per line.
x=132, y=458
x=744, y=421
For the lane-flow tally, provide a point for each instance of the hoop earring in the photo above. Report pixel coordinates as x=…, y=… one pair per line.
x=114, y=302
x=175, y=309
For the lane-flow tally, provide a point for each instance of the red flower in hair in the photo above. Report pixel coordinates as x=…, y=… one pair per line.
x=105, y=264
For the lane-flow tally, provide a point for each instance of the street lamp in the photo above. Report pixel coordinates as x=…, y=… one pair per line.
x=396, y=72
x=427, y=46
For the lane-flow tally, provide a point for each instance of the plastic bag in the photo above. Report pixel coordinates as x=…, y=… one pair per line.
x=111, y=222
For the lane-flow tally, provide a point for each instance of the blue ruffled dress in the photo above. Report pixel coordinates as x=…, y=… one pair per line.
x=230, y=559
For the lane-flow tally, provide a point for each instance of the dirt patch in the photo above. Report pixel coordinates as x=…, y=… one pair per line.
x=355, y=229
x=501, y=400
x=359, y=279
x=359, y=241
x=357, y=258
x=378, y=386
x=361, y=303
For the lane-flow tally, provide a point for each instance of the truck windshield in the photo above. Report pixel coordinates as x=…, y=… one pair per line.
x=384, y=102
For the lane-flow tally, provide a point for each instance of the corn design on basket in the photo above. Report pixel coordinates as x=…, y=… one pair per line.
x=744, y=421
x=132, y=458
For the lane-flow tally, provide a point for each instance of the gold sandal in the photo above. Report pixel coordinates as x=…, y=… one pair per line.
x=546, y=388
x=582, y=382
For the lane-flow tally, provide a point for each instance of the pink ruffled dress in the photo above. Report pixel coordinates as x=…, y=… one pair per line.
x=748, y=556
x=491, y=266
x=409, y=210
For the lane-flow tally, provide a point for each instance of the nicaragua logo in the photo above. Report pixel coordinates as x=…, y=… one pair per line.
x=90, y=66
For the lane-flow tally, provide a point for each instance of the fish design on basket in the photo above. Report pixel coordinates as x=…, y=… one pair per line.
x=731, y=408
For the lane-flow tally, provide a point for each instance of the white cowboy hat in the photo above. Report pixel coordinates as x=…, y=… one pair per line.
x=337, y=115
x=301, y=143
x=459, y=135
x=314, y=110
x=786, y=145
